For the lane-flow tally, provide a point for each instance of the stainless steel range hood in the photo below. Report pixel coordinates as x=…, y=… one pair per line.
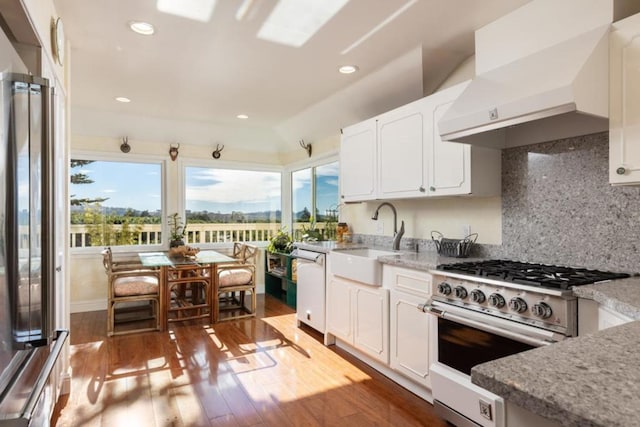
x=559, y=92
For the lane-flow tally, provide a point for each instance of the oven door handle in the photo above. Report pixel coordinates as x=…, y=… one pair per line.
x=483, y=326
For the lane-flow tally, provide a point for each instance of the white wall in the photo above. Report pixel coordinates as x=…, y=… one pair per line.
x=449, y=216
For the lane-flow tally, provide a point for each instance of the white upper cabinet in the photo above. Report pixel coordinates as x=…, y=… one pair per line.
x=455, y=168
x=358, y=167
x=624, y=102
x=399, y=155
x=401, y=152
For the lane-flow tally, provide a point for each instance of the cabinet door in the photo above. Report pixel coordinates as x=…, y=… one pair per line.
x=339, y=319
x=608, y=318
x=371, y=321
x=358, y=162
x=624, y=102
x=410, y=337
x=400, y=151
x=449, y=162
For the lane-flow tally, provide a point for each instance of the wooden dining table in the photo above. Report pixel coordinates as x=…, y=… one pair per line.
x=168, y=264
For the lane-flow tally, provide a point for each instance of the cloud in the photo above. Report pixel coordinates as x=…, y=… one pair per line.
x=232, y=186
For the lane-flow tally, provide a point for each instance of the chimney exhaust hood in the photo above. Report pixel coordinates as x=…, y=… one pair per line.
x=559, y=92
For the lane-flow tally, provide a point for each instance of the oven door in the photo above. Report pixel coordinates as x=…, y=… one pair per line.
x=467, y=338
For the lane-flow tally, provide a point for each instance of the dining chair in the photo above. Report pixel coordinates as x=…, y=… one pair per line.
x=189, y=293
x=136, y=289
x=237, y=278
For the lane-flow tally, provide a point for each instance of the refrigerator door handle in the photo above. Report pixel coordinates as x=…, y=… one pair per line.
x=43, y=377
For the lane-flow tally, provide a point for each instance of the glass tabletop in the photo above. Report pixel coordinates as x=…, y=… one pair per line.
x=160, y=259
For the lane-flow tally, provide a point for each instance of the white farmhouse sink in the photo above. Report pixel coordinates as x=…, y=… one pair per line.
x=361, y=265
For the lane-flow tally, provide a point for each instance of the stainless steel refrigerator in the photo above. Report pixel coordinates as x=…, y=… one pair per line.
x=29, y=346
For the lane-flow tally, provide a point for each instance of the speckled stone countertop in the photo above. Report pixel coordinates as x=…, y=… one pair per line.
x=420, y=261
x=622, y=296
x=591, y=380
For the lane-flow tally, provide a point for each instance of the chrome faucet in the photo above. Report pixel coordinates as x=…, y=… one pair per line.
x=397, y=235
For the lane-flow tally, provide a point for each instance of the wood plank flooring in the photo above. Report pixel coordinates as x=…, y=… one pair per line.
x=252, y=372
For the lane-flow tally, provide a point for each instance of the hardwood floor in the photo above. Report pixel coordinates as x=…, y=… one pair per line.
x=252, y=372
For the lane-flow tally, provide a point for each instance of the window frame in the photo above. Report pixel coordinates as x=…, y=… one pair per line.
x=130, y=158
x=229, y=165
x=330, y=157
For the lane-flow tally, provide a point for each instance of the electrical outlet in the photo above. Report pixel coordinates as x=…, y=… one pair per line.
x=379, y=227
x=466, y=230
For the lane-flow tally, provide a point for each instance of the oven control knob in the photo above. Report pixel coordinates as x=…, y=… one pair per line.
x=460, y=292
x=477, y=296
x=444, y=288
x=496, y=300
x=518, y=305
x=541, y=310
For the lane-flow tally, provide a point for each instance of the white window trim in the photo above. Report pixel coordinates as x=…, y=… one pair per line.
x=128, y=158
x=325, y=158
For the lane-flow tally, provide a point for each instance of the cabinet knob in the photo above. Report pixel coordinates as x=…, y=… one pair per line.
x=342, y=196
x=621, y=170
x=432, y=188
x=422, y=189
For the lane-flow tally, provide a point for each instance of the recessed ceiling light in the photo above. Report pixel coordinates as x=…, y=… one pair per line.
x=242, y=116
x=143, y=28
x=123, y=99
x=348, y=69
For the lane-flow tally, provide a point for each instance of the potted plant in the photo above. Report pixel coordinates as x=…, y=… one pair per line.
x=311, y=234
x=178, y=229
x=280, y=242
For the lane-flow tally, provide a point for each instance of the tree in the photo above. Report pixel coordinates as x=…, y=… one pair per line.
x=103, y=231
x=82, y=178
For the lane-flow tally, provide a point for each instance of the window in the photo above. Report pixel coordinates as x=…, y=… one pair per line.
x=115, y=203
x=314, y=201
x=230, y=205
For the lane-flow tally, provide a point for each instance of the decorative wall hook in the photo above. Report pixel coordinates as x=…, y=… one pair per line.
x=217, y=151
x=125, y=147
x=306, y=146
x=173, y=151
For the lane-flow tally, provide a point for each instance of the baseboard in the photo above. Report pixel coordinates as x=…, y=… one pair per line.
x=88, y=305
x=386, y=370
x=65, y=384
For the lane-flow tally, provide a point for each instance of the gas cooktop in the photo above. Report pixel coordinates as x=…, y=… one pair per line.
x=542, y=275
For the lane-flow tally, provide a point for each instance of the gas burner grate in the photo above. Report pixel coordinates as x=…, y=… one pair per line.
x=531, y=274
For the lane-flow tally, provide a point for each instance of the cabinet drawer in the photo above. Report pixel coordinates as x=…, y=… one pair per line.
x=407, y=280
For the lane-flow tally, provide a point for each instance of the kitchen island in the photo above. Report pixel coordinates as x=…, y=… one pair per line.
x=589, y=380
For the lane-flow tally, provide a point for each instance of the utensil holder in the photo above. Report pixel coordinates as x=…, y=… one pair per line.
x=455, y=248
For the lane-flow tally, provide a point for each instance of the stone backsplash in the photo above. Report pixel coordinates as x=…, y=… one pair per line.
x=559, y=208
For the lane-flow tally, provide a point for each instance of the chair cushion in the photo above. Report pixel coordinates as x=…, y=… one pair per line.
x=135, y=285
x=234, y=277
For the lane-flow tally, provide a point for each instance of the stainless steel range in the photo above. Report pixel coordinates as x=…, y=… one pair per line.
x=491, y=309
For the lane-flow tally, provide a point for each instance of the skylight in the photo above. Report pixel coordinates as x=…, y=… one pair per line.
x=197, y=10
x=294, y=22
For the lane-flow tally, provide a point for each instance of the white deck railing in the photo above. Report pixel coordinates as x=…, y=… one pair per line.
x=151, y=234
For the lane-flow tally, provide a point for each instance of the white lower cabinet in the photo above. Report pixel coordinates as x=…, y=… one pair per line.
x=339, y=319
x=359, y=315
x=594, y=317
x=411, y=330
x=410, y=335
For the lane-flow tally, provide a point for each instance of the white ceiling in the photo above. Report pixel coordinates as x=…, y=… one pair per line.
x=209, y=72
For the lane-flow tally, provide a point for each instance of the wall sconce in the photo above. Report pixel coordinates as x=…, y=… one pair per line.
x=173, y=151
x=125, y=147
x=306, y=146
x=217, y=151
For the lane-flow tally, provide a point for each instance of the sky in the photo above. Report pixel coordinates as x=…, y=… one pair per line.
x=127, y=185
x=137, y=186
